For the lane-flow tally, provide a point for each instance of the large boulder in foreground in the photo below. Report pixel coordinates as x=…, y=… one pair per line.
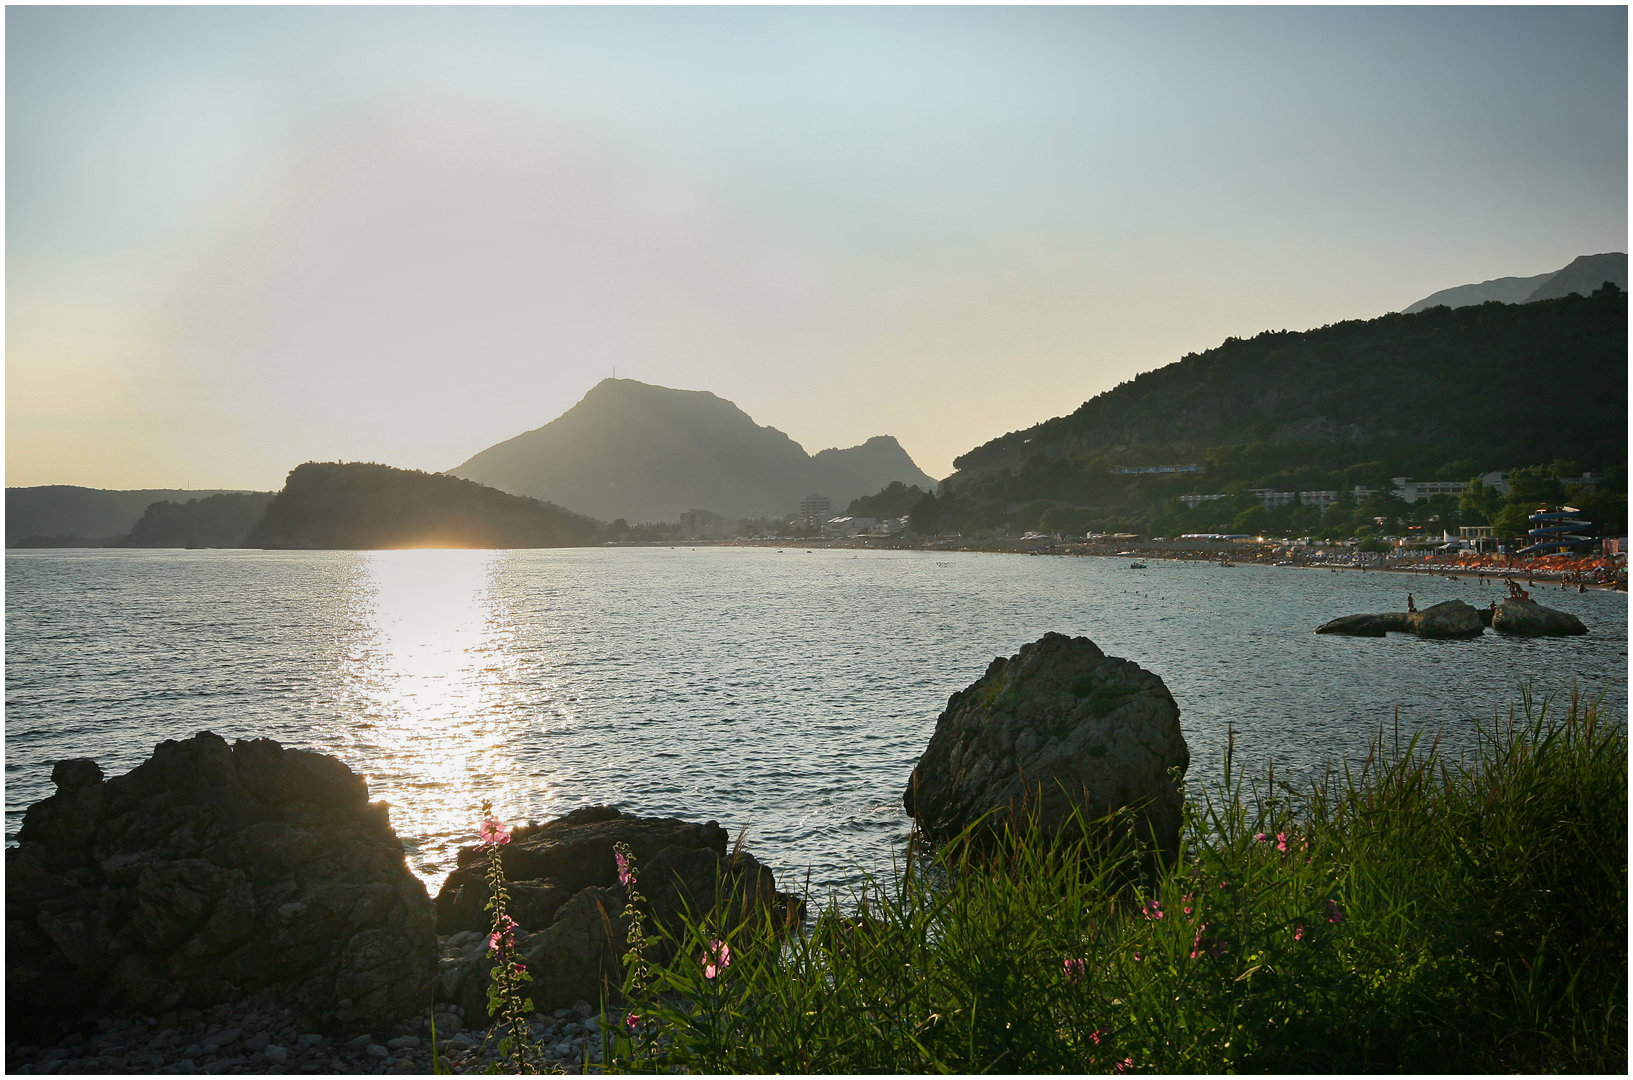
x=565, y=896
x=211, y=874
x=1530, y=619
x=1451, y=619
x=1059, y=725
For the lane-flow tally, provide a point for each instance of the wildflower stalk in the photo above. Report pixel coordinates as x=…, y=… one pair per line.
x=506, y=1000
x=637, y=974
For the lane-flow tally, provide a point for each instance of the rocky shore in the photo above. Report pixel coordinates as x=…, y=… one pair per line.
x=247, y=1039
x=244, y=908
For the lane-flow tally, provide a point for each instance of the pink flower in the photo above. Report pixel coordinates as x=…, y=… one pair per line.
x=1281, y=841
x=1335, y=914
x=1124, y=1065
x=493, y=831
x=504, y=937
x=1137, y=955
x=1188, y=901
x=632, y=1021
x=1074, y=970
x=717, y=959
x=1298, y=932
x=1096, y=1033
x=625, y=874
x=1210, y=946
x=1259, y=838
x=1152, y=909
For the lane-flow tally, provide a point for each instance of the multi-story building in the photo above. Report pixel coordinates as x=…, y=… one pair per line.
x=814, y=510
x=1413, y=490
x=1270, y=500
x=706, y=525
x=1140, y=470
x=1194, y=501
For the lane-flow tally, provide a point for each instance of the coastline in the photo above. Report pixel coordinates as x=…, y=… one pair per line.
x=1544, y=569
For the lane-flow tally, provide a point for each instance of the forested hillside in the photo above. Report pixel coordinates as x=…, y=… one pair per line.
x=1441, y=394
x=217, y=521
x=61, y=514
x=361, y=506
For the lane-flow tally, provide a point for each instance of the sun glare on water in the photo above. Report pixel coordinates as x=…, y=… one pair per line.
x=433, y=696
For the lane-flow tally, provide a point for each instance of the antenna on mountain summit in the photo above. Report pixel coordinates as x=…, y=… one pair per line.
x=615, y=373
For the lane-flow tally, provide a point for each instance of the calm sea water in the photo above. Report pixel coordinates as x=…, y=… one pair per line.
x=785, y=691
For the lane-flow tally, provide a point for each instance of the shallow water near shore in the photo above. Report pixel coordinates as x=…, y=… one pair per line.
x=785, y=691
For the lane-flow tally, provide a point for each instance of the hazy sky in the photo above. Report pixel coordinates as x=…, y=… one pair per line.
x=243, y=238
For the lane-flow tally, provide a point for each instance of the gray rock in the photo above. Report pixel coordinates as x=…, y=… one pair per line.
x=209, y=874
x=359, y=1042
x=402, y=1042
x=275, y=1053
x=1366, y=625
x=1059, y=726
x=1527, y=618
x=1450, y=619
x=682, y=867
x=546, y=865
x=376, y=1050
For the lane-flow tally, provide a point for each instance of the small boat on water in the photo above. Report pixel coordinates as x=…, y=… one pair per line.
x=1226, y=562
x=1136, y=565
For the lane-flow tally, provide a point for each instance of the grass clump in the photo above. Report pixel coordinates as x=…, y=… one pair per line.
x=1423, y=914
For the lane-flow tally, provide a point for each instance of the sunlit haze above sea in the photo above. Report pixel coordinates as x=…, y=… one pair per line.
x=779, y=690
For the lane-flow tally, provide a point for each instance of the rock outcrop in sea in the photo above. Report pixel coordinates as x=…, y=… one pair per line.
x=566, y=897
x=1058, y=726
x=1367, y=625
x=1448, y=619
x=1455, y=619
x=1528, y=618
x=213, y=874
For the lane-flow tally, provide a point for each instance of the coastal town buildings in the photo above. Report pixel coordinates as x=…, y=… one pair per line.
x=1140, y=470
x=814, y=510
x=706, y=525
x=847, y=525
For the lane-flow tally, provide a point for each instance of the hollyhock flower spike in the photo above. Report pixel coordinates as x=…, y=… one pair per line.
x=494, y=832
x=625, y=874
x=1074, y=970
x=504, y=937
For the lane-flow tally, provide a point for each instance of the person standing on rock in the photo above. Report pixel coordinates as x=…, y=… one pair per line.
x=1411, y=605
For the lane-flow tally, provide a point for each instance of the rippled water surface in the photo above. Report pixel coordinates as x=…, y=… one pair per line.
x=783, y=690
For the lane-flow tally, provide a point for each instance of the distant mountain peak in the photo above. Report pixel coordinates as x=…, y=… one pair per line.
x=1583, y=274
x=642, y=452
